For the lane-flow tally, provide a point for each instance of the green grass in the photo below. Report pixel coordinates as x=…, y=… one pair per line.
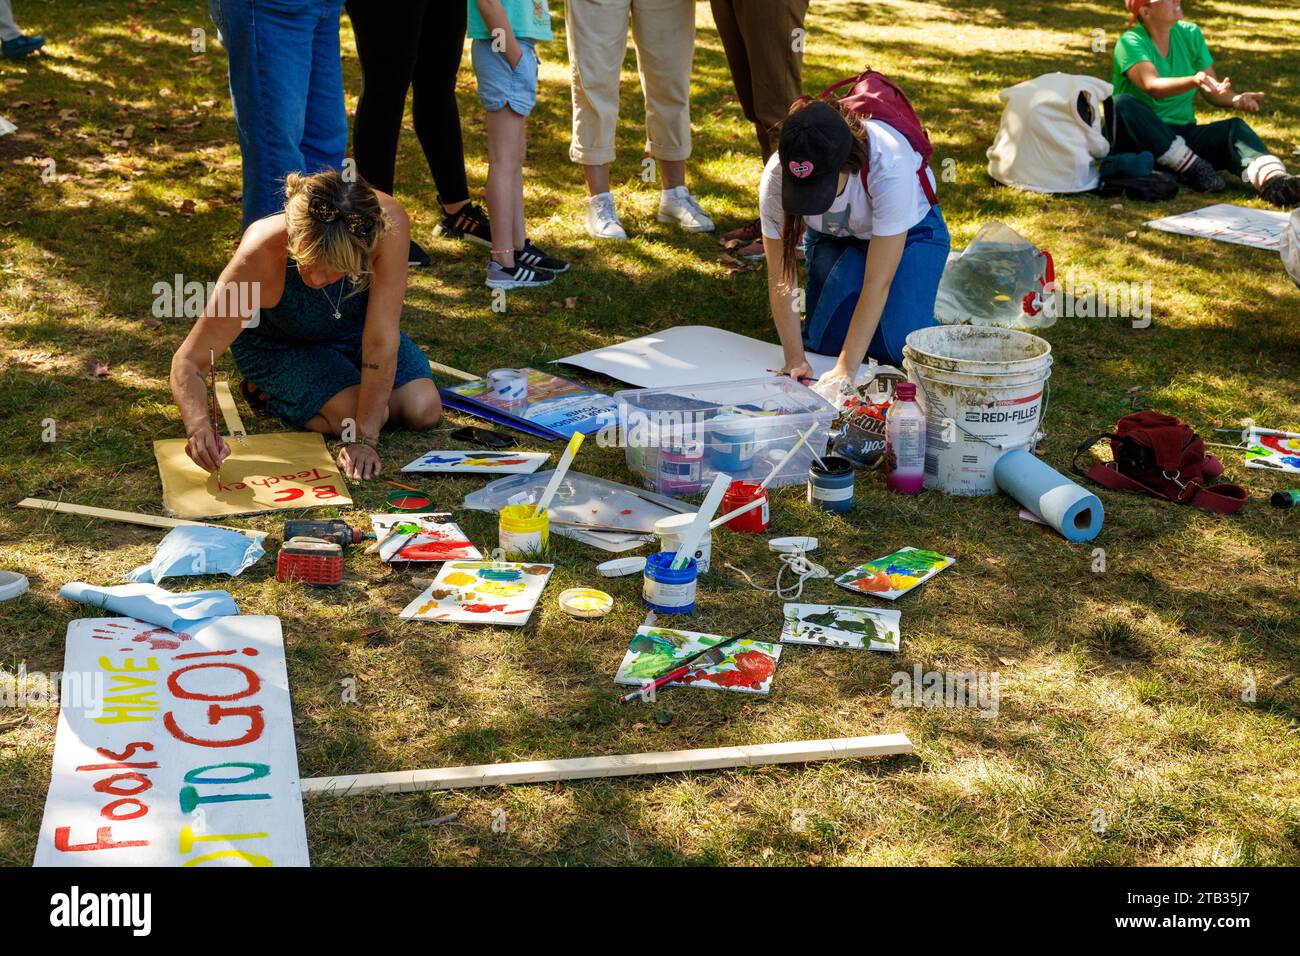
x=1121, y=692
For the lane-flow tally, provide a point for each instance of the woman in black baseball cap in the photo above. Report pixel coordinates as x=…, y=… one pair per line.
x=875, y=243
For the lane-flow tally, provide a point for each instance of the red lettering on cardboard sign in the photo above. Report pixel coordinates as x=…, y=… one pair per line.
x=103, y=841
x=216, y=713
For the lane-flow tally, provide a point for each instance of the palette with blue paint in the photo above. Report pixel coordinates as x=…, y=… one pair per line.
x=478, y=462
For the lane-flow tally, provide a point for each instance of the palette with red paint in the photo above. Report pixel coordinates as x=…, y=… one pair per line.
x=428, y=536
x=482, y=592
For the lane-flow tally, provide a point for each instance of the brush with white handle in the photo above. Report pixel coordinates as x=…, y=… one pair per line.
x=700, y=526
x=561, y=469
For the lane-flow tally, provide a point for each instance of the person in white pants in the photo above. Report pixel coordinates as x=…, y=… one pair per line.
x=664, y=31
x=14, y=44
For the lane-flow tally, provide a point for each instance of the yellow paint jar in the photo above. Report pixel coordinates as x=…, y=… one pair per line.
x=522, y=533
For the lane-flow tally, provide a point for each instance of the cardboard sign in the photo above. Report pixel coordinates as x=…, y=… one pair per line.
x=174, y=748
x=274, y=472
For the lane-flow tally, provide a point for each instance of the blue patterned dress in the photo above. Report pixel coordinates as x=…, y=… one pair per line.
x=301, y=356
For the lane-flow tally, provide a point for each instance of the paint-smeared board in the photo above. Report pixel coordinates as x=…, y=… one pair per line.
x=174, y=748
x=1273, y=450
x=436, y=538
x=272, y=472
x=127, y=517
x=481, y=592
x=895, y=574
x=478, y=462
x=841, y=625
x=654, y=651
x=623, y=765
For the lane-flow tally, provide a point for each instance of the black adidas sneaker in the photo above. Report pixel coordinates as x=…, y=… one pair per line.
x=531, y=256
x=468, y=222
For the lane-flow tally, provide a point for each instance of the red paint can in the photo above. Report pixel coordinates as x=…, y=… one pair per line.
x=739, y=494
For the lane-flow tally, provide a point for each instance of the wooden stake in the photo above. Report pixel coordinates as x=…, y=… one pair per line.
x=128, y=517
x=453, y=372
x=585, y=768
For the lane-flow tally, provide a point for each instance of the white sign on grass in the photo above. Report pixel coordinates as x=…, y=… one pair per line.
x=1242, y=225
x=690, y=355
x=174, y=749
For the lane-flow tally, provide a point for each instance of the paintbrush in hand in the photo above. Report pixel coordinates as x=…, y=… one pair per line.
x=708, y=657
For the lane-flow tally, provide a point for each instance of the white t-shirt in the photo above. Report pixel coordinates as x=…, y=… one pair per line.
x=895, y=204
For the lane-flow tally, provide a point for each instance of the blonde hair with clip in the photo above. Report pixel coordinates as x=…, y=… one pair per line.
x=334, y=244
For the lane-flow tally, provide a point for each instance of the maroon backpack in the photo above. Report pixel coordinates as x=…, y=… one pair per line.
x=1159, y=455
x=875, y=96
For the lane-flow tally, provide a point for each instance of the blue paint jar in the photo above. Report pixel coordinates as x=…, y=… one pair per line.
x=830, y=485
x=667, y=590
x=731, y=443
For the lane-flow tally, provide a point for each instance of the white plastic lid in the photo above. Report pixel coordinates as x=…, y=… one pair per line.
x=12, y=584
x=621, y=567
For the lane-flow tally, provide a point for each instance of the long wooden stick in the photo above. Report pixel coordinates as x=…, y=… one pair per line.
x=453, y=372
x=671, y=761
x=129, y=517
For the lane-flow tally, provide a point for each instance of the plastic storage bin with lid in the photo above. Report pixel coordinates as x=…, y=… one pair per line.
x=677, y=438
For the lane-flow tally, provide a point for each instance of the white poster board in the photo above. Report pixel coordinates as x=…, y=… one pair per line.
x=174, y=748
x=1225, y=222
x=689, y=355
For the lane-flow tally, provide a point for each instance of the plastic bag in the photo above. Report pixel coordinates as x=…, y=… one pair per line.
x=1291, y=247
x=1001, y=279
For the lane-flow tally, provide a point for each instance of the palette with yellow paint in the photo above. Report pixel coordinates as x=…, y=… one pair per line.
x=482, y=592
x=585, y=602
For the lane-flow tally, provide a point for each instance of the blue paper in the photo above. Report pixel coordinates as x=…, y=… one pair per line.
x=152, y=604
x=1069, y=508
x=196, y=549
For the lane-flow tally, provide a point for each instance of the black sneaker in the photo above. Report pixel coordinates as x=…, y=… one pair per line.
x=1202, y=177
x=1282, y=191
x=417, y=256
x=518, y=277
x=530, y=255
x=468, y=222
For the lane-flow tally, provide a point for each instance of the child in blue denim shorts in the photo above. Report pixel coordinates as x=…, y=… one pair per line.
x=505, y=62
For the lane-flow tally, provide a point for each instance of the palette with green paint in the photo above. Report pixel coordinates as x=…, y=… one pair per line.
x=654, y=651
x=895, y=574
x=839, y=625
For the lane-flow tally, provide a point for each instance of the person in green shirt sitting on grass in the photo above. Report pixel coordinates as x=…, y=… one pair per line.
x=1160, y=64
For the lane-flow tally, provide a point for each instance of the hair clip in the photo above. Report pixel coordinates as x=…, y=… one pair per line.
x=324, y=211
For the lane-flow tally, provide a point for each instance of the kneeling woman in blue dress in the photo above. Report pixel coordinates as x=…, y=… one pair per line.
x=325, y=351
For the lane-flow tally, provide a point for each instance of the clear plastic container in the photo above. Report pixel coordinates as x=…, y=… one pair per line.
x=676, y=439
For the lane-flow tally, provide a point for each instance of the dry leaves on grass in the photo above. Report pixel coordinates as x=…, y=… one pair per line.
x=97, y=368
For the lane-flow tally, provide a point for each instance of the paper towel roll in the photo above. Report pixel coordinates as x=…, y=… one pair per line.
x=1067, y=507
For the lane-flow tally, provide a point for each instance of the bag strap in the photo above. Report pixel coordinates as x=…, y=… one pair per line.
x=1087, y=444
x=1224, y=498
x=844, y=82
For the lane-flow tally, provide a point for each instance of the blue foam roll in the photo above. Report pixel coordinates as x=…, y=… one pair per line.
x=1067, y=507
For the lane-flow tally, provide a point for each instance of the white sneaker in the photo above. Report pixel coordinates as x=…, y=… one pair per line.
x=679, y=206
x=602, y=220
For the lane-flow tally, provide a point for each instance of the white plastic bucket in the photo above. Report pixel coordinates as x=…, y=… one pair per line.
x=983, y=390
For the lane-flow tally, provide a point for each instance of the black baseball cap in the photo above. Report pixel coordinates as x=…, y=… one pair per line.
x=815, y=143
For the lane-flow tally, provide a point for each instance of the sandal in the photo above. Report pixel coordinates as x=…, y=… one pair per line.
x=256, y=399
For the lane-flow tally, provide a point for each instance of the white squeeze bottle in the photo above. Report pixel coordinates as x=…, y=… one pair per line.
x=905, y=441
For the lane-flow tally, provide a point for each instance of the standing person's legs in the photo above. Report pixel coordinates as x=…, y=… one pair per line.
x=387, y=34
x=325, y=129
x=8, y=28
x=270, y=53
x=773, y=37
x=596, y=34
x=433, y=107
x=664, y=31
x=738, y=59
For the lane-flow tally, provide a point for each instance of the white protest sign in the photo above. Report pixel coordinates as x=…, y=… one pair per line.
x=174, y=748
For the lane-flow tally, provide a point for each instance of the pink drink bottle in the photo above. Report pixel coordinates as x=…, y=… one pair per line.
x=905, y=441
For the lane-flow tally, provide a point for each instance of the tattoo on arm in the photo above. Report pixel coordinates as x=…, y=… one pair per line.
x=373, y=365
